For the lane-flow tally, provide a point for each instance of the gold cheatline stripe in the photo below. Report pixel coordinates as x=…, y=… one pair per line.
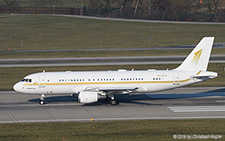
x=83, y=83
x=198, y=72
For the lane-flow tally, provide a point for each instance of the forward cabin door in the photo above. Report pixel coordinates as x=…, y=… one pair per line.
x=42, y=81
x=176, y=79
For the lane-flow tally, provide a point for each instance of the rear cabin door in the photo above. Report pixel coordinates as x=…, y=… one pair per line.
x=176, y=79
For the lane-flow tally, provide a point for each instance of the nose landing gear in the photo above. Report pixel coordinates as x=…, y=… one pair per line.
x=42, y=99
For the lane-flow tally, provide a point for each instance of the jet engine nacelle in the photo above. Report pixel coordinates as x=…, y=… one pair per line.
x=88, y=97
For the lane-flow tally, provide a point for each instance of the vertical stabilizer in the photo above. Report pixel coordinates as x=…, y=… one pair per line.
x=198, y=59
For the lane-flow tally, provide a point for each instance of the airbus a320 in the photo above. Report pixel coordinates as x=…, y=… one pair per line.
x=90, y=86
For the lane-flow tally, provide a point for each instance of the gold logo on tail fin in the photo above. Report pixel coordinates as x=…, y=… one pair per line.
x=197, y=56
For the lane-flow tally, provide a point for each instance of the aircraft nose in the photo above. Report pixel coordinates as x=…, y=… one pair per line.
x=17, y=87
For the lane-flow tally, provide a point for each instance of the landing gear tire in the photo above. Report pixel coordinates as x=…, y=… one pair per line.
x=113, y=102
x=42, y=99
x=41, y=102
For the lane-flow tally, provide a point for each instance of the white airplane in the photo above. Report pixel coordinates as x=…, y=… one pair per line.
x=93, y=85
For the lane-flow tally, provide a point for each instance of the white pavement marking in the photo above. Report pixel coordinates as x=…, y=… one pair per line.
x=11, y=116
x=197, y=108
x=220, y=101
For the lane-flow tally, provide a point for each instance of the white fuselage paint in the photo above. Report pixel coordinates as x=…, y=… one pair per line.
x=74, y=82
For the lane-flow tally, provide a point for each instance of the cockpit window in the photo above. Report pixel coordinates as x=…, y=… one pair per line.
x=27, y=80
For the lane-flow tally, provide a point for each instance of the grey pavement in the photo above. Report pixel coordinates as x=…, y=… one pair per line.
x=90, y=61
x=181, y=103
x=215, y=45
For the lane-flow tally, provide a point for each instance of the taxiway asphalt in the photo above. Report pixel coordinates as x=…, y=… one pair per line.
x=181, y=103
x=90, y=61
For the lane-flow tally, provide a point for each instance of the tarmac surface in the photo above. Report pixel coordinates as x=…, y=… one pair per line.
x=215, y=45
x=181, y=103
x=88, y=61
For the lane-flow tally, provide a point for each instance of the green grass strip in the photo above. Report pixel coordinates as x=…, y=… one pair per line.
x=112, y=130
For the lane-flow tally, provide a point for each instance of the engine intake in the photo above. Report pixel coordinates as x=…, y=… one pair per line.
x=88, y=97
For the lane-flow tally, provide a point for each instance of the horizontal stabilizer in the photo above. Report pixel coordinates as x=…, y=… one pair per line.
x=206, y=74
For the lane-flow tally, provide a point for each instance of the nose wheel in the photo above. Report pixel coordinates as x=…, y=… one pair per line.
x=41, y=102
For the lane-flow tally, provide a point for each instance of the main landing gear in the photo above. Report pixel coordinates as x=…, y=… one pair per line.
x=111, y=99
x=42, y=99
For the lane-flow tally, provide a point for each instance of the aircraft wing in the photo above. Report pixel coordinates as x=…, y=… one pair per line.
x=117, y=88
